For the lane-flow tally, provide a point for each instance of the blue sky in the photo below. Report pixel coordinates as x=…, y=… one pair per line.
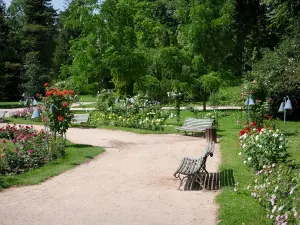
x=57, y=4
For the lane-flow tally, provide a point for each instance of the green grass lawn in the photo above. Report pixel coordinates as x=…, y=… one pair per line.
x=227, y=96
x=239, y=207
x=92, y=105
x=11, y=105
x=88, y=98
x=13, y=120
x=76, y=155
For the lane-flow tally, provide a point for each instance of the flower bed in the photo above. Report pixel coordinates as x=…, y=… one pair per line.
x=136, y=112
x=277, y=189
x=23, y=148
x=23, y=113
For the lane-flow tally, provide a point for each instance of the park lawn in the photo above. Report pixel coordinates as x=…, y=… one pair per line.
x=13, y=120
x=227, y=96
x=91, y=105
x=76, y=154
x=11, y=105
x=239, y=207
x=87, y=98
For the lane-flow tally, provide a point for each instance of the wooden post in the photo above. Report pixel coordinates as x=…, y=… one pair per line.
x=211, y=134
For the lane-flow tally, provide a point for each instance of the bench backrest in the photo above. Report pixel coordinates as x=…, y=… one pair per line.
x=195, y=122
x=209, y=150
x=81, y=118
x=2, y=114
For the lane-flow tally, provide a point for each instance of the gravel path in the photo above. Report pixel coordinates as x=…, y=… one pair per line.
x=131, y=183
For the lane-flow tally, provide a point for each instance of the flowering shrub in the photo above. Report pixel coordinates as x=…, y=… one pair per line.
x=23, y=113
x=23, y=148
x=136, y=112
x=150, y=122
x=260, y=112
x=57, y=112
x=178, y=97
x=277, y=188
x=262, y=146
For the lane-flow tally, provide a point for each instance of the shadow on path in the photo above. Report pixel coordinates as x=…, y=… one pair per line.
x=212, y=181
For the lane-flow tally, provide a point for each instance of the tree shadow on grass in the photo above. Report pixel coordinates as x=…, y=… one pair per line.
x=291, y=134
x=80, y=146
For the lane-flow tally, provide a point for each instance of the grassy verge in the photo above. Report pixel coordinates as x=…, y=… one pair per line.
x=236, y=208
x=11, y=105
x=76, y=155
x=13, y=120
x=92, y=105
x=87, y=98
x=239, y=207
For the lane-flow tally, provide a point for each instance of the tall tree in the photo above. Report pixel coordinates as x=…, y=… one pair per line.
x=9, y=59
x=38, y=39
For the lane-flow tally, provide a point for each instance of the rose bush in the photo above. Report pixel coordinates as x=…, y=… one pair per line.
x=262, y=146
x=56, y=111
x=23, y=148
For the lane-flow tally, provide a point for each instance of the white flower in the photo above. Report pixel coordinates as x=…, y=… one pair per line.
x=276, y=188
x=280, y=208
x=274, y=208
x=273, y=165
x=292, y=191
x=245, y=161
x=240, y=153
x=280, y=146
x=249, y=158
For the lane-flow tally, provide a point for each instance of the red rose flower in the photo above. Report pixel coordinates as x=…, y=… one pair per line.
x=37, y=95
x=71, y=92
x=259, y=129
x=46, y=84
x=242, y=132
x=49, y=93
x=253, y=124
x=65, y=104
x=60, y=118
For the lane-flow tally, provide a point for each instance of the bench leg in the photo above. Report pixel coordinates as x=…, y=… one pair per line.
x=182, y=180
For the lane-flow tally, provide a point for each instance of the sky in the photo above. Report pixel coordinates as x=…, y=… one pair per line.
x=57, y=4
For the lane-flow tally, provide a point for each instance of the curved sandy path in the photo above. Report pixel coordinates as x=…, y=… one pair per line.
x=131, y=183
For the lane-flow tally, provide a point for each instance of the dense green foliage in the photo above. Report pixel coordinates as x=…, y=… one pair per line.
x=151, y=47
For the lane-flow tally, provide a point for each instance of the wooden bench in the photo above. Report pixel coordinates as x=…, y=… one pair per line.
x=194, y=169
x=196, y=125
x=81, y=118
x=2, y=116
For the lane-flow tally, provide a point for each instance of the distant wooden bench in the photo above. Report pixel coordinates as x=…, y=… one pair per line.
x=2, y=116
x=195, y=125
x=194, y=169
x=81, y=119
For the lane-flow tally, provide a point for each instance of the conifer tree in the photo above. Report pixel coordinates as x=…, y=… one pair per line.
x=9, y=59
x=38, y=42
